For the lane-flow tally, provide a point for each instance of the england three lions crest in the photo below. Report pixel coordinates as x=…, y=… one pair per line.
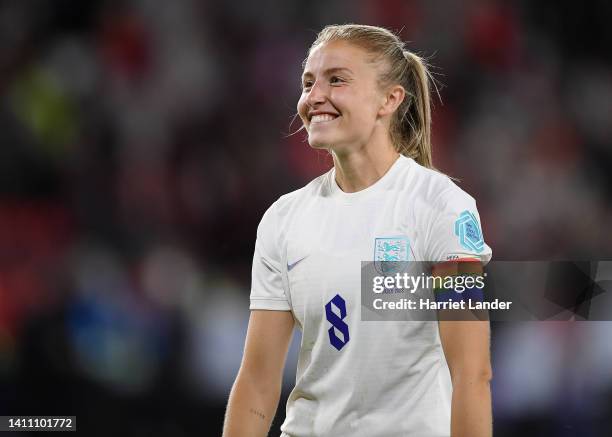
x=389, y=252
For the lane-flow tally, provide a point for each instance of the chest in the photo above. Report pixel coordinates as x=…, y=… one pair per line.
x=327, y=242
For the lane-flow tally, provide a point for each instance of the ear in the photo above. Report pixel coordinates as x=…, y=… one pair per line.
x=393, y=97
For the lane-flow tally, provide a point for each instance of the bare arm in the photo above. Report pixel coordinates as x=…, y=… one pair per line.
x=254, y=397
x=466, y=347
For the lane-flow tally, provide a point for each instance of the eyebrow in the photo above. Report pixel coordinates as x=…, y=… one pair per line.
x=329, y=71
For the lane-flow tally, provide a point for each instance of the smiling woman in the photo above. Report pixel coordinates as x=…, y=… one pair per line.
x=365, y=99
x=337, y=94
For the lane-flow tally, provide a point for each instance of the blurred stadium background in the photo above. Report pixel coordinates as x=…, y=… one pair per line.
x=142, y=141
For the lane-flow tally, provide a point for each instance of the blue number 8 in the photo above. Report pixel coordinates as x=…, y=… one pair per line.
x=337, y=322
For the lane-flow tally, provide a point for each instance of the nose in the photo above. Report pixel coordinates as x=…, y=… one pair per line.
x=316, y=95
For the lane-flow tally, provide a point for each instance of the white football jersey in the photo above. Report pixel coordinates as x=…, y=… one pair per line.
x=354, y=378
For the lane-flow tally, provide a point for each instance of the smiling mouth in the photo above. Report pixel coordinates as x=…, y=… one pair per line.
x=323, y=118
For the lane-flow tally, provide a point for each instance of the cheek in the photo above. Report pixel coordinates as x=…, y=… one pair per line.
x=362, y=112
x=358, y=104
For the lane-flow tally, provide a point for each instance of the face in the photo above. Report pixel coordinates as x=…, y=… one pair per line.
x=340, y=99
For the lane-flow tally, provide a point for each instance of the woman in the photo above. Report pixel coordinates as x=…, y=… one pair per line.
x=366, y=100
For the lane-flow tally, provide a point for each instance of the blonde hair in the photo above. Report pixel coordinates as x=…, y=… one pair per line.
x=410, y=128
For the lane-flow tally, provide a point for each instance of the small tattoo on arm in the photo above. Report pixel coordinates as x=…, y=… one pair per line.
x=257, y=413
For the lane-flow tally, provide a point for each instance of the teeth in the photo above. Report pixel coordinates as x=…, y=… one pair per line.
x=322, y=117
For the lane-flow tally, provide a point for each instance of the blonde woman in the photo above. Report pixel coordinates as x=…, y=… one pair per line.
x=366, y=100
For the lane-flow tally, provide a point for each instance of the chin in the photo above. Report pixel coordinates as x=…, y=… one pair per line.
x=317, y=142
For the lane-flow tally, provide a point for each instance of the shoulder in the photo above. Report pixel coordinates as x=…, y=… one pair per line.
x=435, y=191
x=449, y=219
x=279, y=217
x=287, y=205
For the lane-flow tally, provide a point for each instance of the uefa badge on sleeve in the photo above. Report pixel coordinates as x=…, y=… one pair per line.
x=389, y=252
x=469, y=233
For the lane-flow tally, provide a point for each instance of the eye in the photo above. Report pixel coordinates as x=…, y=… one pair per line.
x=306, y=84
x=335, y=80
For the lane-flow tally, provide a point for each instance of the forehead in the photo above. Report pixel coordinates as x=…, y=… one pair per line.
x=336, y=55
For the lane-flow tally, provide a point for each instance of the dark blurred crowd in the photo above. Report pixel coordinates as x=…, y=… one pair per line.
x=141, y=141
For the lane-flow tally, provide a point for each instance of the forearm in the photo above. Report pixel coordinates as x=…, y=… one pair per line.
x=471, y=414
x=250, y=409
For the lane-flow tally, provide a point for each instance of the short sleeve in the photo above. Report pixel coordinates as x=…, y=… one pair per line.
x=455, y=231
x=267, y=289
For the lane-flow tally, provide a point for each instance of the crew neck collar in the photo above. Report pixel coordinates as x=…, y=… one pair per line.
x=336, y=191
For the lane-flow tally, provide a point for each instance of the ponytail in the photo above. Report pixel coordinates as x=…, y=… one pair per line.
x=411, y=127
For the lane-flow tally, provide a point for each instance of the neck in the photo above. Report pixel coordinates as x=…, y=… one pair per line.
x=358, y=168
